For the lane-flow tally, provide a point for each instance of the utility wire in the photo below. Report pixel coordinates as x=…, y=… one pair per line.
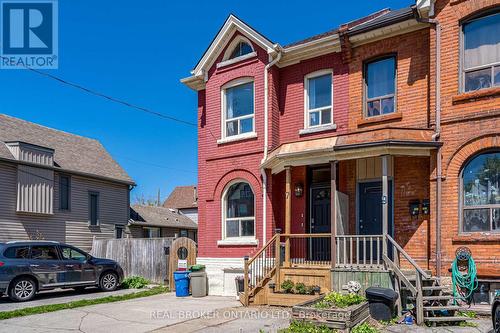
x=110, y=98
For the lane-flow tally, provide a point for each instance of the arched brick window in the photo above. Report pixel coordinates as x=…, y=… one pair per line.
x=238, y=210
x=481, y=193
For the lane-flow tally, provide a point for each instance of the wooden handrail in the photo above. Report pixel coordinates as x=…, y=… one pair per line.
x=407, y=256
x=306, y=235
x=256, y=255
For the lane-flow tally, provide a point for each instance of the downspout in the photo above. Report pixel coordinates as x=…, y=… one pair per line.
x=277, y=47
x=436, y=137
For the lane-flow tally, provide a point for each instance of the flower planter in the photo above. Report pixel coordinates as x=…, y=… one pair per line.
x=288, y=299
x=336, y=318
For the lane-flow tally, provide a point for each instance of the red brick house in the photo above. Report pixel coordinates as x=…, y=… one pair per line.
x=358, y=109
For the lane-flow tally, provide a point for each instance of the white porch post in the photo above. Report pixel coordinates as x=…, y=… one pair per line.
x=288, y=212
x=385, y=202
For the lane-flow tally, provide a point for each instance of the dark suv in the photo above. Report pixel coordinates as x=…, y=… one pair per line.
x=27, y=267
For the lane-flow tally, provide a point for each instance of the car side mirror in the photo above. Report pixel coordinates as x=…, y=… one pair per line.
x=89, y=258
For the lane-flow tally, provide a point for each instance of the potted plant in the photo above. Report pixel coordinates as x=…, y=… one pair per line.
x=287, y=286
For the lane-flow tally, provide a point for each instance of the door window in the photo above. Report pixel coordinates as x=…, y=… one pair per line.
x=69, y=253
x=44, y=252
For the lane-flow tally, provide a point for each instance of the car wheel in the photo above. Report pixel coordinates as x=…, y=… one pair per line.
x=108, y=281
x=22, y=289
x=496, y=319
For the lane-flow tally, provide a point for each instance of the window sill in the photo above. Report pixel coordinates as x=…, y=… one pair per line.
x=22, y=212
x=478, y=237
x=238, y=242
x=475, y=95
x=235, y=60
x=380, y=119
x=240, y=137
x=316, y=129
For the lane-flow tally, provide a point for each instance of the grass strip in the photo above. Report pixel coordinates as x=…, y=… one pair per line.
x=77, y=304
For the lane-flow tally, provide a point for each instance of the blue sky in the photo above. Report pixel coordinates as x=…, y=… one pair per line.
x=138, y=51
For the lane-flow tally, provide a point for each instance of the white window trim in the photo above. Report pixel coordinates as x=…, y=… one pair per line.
x=251, y=240
x=230, y=48
x=243, y=136
x=237, y=59
x=307, y=111
x=463, y=70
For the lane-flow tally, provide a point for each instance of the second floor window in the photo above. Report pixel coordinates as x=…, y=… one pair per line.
x=93, y=208
x=64, y=185
x=238, y=109
x=318, y=99
x=481, y=53
x=380, y=87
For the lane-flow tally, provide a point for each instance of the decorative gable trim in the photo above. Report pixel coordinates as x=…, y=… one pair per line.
x=231, y=25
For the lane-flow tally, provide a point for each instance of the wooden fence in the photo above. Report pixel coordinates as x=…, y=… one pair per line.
x=142, y=257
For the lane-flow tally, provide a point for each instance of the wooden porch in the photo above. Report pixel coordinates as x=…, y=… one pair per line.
x=330, y=260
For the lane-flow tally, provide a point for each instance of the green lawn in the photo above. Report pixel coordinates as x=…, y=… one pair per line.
x=80, y=303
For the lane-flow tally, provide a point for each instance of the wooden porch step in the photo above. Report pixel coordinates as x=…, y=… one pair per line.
x=433, y=298
x=445, y=319
x=433, y=288
x=442, y=308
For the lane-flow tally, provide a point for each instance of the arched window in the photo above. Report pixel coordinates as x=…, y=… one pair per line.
x=241, y=49
x=481, y=52
x=481, y=193
x=238, y=211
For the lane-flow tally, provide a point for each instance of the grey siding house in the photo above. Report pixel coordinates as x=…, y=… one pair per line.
x=59, y=186
x=153, y=222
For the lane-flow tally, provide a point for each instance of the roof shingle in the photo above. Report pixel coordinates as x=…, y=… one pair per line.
x=182, y=197
x=159, y=217
x=71, y=152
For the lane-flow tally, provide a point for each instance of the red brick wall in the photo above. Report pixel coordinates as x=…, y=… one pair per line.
x=221, y=163
x=412, y=51
x=291, y=118
x=470, y=124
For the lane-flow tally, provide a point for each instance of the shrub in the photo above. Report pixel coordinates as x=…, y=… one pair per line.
x=134, y=282
x=287, y=286
x=300, y=288
x=338, y=300
x=305, y=327
x=365, y=328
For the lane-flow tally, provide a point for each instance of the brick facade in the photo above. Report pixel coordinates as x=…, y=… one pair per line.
x=469, y=125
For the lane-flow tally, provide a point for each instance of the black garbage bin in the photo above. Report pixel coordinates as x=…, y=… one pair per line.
x=381, y=302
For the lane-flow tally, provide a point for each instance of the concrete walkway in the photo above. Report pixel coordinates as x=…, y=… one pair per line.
x=137, y=315
x=481, y=326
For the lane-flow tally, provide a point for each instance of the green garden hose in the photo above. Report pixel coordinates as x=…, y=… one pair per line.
x=464, y=283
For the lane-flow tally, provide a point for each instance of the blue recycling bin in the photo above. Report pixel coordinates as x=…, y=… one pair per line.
x=181, y=279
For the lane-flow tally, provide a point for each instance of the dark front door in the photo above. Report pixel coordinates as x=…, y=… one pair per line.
x=370, y=215
x=319, y=248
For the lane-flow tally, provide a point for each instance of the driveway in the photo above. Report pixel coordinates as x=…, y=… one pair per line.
x=58, y=296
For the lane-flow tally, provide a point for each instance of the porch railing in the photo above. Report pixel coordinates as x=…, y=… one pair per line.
x=260, y=267
x=306, y=250
x=359, y=251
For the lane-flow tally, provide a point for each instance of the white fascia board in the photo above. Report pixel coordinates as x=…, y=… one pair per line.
x=386, y=32
x=316, y=48
x=231, y=25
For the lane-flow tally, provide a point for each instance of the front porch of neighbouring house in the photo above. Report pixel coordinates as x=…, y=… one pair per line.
x=373, y=228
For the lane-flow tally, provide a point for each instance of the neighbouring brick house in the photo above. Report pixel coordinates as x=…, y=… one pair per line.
x=59, y=186
x=184, y=199
x=359, y=109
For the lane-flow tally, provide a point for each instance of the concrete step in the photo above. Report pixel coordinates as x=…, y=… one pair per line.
x=445, y=319
x=433, y=288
